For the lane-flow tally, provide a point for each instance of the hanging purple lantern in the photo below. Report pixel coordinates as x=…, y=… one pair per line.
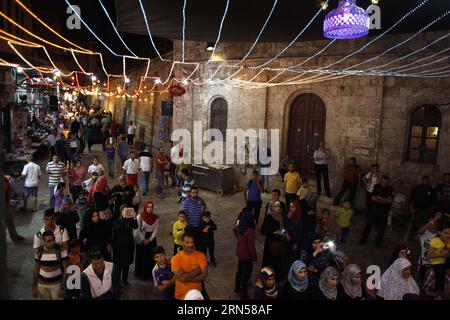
x=347, y=21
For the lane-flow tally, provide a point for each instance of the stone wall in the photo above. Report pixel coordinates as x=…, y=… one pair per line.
x=146, y=108
x=366, y=117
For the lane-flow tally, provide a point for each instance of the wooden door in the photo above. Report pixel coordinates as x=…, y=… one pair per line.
x=306, y=129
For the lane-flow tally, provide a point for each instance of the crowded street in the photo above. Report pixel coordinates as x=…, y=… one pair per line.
x=259, y=151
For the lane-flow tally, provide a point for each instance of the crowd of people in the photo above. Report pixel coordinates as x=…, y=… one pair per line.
x=104, y=231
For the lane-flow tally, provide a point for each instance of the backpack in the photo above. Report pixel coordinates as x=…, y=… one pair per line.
x=39, y=235
x=57, y=249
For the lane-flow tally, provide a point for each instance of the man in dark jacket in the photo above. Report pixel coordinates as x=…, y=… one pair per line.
x=422, y=200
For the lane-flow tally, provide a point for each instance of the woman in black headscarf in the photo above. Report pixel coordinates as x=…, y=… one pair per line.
x=245, y=250
x=316, y=256
x=123, y=242
x=96, y=232
x=309, y=210
x=292, y=226
x=121, y=194
x=274, y=246
x=401, y=250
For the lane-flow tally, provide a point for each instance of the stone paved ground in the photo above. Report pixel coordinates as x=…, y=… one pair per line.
x=220, y=282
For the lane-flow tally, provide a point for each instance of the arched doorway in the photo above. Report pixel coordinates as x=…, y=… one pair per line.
x=306, y=129
x=219, y=116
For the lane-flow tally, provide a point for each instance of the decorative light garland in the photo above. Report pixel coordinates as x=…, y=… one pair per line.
x=219, y=33
x=115, y=29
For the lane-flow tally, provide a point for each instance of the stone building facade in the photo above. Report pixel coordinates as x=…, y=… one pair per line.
x=363, y=116
x=154, y=128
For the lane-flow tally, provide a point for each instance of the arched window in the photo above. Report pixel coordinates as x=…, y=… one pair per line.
x=424, y=131
x=219, y=116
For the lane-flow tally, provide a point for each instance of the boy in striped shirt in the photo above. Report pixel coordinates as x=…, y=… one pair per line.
x=51, y=262
x=56, y=170
x=188, y=183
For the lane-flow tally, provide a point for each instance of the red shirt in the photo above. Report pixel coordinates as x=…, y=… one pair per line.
x=351, y=173
x=160, y=166
x=113, y=128
x=245, y=249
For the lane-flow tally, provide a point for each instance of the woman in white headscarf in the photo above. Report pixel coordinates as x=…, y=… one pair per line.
x=350, y=286
x=193, y=294
x=397, y=281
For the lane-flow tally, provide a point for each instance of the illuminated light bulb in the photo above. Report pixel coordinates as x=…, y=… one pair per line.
x=71, y=84
x=157, y=81
x=184, y=82
x=145, y=87
x=19, y=69
x=145, y=100
x=94, y=78
x=57, y=74
x=127, y=80
x=140, y=99
x=141, y=91
x=210, y=46
x=73, y=78
x=98, y=81
x=104, y=84
x=152, y=94
x=375, y=1
x=324, y=5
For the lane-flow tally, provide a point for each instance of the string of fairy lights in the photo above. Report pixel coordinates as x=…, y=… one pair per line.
x=293, y=75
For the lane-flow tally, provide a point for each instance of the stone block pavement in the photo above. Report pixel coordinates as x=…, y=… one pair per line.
x=220, y=282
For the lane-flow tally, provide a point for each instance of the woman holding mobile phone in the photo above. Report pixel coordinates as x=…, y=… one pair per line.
x=316, y=256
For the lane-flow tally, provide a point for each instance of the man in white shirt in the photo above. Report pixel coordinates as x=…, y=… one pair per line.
x=131, y=132
x=145, y=164
x=31, y=173
x=61, y=234
x=321, y=157
x=96, y=167
x=131, y=169
x=52, y=138
x=371, y=179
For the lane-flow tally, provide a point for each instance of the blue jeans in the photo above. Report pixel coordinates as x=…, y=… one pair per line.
x=111, y=167
x=123, y=158
x=145, y=180
x=342, y=236
x=51, y=190
x=160, y=177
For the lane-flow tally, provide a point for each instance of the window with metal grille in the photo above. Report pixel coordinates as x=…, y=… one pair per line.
x=219, y=116
x=424, y=132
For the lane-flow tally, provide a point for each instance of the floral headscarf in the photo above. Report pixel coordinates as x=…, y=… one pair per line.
x=328, y=291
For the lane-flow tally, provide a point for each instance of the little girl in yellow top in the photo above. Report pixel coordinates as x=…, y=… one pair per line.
x=438, y=254
x=178, y=230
